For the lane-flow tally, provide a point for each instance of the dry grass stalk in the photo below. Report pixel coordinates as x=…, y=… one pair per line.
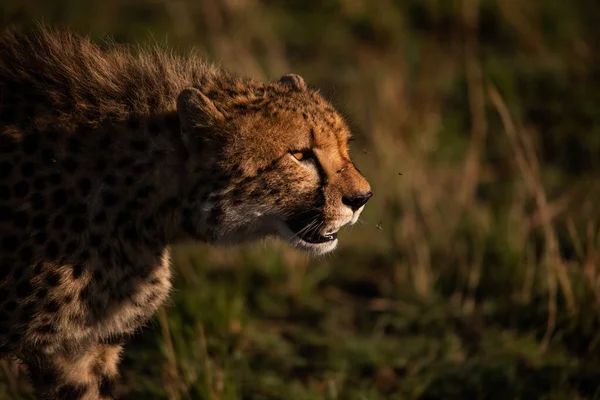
x=526, y=161
x=476, y=95
x=207, y=369
x=472, y=164
x=170, y=367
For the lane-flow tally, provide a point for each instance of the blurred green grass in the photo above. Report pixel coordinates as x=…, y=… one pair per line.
x=474, y=272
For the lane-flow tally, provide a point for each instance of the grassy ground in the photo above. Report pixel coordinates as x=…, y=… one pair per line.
x=474, y=274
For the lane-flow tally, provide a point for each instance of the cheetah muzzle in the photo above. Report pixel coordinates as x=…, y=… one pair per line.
x=109, y=158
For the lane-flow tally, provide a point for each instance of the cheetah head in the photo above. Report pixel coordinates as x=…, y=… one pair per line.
x=271, y=159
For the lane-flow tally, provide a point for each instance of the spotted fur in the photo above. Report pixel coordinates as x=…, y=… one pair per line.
x=107, y=158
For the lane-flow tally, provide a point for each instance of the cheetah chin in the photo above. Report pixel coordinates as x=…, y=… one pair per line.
x=309, y=233
x=314, y=243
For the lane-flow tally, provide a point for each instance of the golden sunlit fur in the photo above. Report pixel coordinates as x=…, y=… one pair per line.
x=107, y=158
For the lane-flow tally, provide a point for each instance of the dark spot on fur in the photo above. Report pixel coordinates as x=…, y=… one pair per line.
x=144, y=191
x=73, y=145
x=38, y=268
x=52, y=249
x=23, y=289
x=52, y=136
x=122, y=218
x=27, y=312
x=53, y=279
x=139, y=169
x=5, y=269
x=109, y=199
x=237, y=193
x=28, y=169
x=98, y=276
x=55, y=179
x=187, y=224
x=100, y=165
x=159, y=154
x=84, y=186
x=133, y=123
x=26, y=254
x=110, y=180
x=9, y=243
x=172, y=122
x=59, y=222
x=83, y=255
x=132, y=206
x=78, y=225
x=69, y=164
x=95, y=240
x=105, y=142
x=52, y=306
x=169, y=205
x=30, y=144
x=214, y=217
x=15, y=338
x=59, y=197
x=130, y=234
x=41, y=293
x=5, y=213
x=107, y=387
x=255, y=193
x=106, y=255
x=154, y=281
x=21, y=219
x=100, y=218
x=40, y=237
x=71, y=392
x=5, y=169
x=4, y=329
x=85, y=293
x=21, y=189
x=139, y=145
x=76, y=209
x=18, y=273
x=47, y=156
x=39, y=183
x=149, y=224
x=77, y=270
x=10, y=305
x=37, y=201
x=71, y=247
x=7, y=145
x=4, y=192
x=39, y=221
x=125, y=162
x=46, y=329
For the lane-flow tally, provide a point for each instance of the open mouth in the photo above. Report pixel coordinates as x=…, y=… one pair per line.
x=306, y=227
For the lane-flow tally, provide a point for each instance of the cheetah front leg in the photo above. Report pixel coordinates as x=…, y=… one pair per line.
x=88, y=374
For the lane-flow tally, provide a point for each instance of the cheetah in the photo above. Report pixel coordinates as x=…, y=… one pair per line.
x=108, y=158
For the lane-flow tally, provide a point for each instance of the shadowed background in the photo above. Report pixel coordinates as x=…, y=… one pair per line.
x=474, y=271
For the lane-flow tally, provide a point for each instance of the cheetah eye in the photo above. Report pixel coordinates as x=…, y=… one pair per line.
x=302, y=155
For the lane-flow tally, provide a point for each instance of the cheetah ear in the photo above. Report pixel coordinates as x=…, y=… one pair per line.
x=197, y=110
x=294, y=81
x=197, y=113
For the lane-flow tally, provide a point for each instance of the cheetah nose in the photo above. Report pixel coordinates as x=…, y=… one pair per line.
x=357, y=201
